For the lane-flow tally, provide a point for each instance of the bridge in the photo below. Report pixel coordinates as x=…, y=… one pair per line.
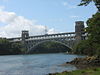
x=68, y=39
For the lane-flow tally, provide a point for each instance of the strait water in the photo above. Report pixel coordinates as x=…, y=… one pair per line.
x=37, y=64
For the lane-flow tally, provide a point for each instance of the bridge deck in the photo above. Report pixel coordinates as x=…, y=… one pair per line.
x=48, y=36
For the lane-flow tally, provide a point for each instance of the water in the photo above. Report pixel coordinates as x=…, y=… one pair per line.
x=37, y=64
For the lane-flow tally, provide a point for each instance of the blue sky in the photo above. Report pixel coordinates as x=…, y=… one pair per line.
x=34, y=15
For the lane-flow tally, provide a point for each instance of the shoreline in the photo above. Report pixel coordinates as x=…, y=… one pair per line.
x=83, y=64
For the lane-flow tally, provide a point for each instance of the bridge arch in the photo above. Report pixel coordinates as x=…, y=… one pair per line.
x=56, y=46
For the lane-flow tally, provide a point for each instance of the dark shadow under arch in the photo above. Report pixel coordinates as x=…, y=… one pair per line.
x=50, y=47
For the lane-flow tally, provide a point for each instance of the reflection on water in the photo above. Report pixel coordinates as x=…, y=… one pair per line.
x=37, y=64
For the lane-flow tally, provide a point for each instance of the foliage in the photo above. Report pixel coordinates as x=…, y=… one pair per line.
x=16, y=48
x=4, y=46
x=93, y=30
x=9, y=48
x=83, y=47
x=86, y=2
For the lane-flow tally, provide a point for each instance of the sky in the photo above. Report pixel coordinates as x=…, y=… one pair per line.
x=57, y=16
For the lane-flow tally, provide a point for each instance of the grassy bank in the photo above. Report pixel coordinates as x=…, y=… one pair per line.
x=92, y=71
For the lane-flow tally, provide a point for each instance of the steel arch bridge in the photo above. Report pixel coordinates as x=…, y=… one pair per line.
x=69, y=38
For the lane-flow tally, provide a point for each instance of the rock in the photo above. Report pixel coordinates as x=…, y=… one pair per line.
x=86, y=61
x=52, y=73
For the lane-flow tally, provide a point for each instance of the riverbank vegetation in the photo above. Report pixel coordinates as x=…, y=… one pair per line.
x=89, y=71
x=8, y=48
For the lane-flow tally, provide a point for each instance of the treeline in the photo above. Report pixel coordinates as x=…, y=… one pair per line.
x=8, y=48
x=50, y=47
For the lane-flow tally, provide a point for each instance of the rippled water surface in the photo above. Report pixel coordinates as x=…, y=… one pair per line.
x=37, y=64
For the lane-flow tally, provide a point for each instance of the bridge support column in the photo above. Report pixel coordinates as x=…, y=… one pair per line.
x=79, y=29
x=24, y=36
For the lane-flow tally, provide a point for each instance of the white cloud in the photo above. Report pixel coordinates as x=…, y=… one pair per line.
x=1, y=8
x=74, y=16
x=13, y=25
x=51, y=31
x=69, y=5
x=6, y=17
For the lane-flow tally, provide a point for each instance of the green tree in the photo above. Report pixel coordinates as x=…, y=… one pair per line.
x=93, y=30
x=10, y=48
x=16, y=48
x=4, y=46
x=84, y=47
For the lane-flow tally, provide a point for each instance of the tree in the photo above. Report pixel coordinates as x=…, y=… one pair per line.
x=86, y=2
x=4, y=46
x=93, y=30
x=7, y=47
x=16, y=48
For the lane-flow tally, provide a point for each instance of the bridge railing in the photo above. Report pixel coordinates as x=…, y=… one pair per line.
x=48, y=36
x=43, y=38
x=52, y=35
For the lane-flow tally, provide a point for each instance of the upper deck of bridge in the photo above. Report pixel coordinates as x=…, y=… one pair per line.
x=57, y=35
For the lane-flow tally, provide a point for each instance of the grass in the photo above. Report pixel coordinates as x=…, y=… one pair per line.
x=94, y=71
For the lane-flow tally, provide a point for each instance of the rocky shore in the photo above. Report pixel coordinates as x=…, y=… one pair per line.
x=89, y=61
x=83, y=63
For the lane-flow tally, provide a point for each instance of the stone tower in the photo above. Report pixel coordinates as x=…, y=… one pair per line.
x=79, y=30
x=25, y=35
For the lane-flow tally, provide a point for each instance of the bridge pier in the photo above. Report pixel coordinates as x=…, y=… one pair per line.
x=24, y=36
x=79, y=31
